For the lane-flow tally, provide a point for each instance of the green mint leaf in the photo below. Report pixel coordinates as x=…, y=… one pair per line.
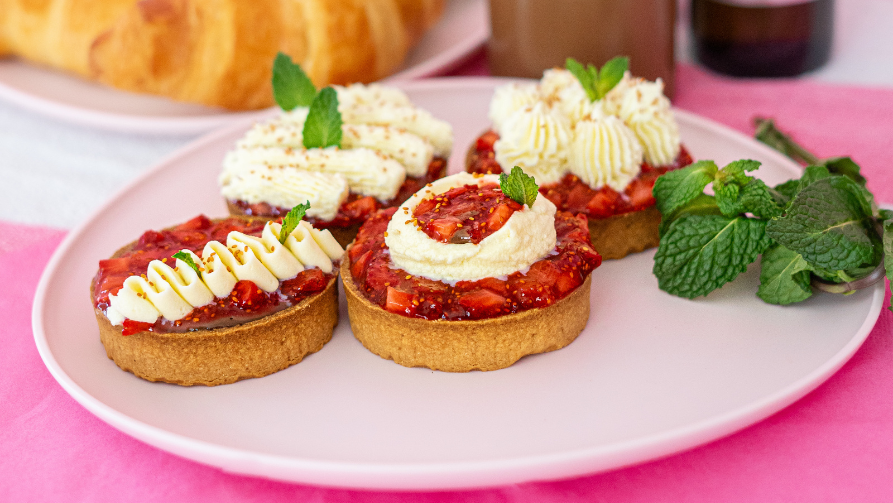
x=754, y=197
x=519, y=186
x=291, y=220
x=611, y=74
x=323, y=125
x=888, y=248
x=788, y=189
x=702, y=204
x=291, y=86
x=699, y=254
x=587, y=78
x=813, y=174
x=784, y=276
x=187, y=258
x=792, y=187
x=828, y=223
x=844, y=166
x=674, y=189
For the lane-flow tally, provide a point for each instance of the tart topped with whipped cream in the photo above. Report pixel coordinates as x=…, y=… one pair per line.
x=472, y=272
x=215, y=301
x=349, y=151
x=594, y=141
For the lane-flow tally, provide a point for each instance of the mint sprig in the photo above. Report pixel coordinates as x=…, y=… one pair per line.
x=597, y=82
x=323, y=125
x=820, y=230
x=291, y=220
x=187, y=259
x=519, y=186
x=291, y=86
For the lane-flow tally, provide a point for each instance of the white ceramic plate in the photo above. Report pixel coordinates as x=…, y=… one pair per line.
x=650, y=375
x=463, y=27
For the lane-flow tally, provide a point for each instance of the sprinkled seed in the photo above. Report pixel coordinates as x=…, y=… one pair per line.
x=409, y=276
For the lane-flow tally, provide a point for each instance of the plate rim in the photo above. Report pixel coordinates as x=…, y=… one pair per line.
x=432, y=476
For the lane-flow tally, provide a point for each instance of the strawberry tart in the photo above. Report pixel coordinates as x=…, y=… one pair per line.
x=469, y=275
x=215, y=301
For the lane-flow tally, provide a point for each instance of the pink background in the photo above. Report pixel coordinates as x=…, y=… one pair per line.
x=836, y=444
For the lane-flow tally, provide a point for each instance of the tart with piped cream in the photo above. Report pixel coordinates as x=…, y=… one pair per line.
x=216, y=301
x=593, y=152
x=348, y=151
x=463, y=277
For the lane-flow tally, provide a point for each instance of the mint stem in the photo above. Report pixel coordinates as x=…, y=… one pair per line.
x=770, y=135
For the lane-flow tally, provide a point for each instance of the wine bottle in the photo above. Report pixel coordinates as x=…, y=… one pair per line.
x=762, y=38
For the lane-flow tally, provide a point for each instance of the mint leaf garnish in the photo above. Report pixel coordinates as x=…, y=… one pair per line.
x=784, y=276
x=611, y=74
x=187, y=259
x=519, y=186
x=597, y=83
x=291, y=86
x=699, y=254
x=323, y=125
x=702, y=204
x=828, y=223
x=674, y=189
x=846, y=167
x=738, y=193
x=291, y=220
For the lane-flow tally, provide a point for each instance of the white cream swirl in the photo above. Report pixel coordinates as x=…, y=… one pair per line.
x=526, y=139
x=527, y=236
x=384, y=139
x=605, y=151
x=645, y=109
x=536, y=139
x=174, y=292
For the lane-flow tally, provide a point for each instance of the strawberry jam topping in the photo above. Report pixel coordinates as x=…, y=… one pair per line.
x=245, y=303
x=465, y=214
x=573, y=195
x=356, y=208
x=544, y=283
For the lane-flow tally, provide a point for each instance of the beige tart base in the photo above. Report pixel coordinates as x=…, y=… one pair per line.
x=462, y=346
x=224, y=355
x=617, y=236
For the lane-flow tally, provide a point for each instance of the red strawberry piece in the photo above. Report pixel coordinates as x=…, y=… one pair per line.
x=198, y=223
x=442, y=229
x=604, y=204
x=150, y=237
x=361, y=208
x=358, y=268
x=639, y=192
x=247, y=295
x=308, y=280
x=400, y=302
x=499, y=217
x=133, y=327
x=482, y=303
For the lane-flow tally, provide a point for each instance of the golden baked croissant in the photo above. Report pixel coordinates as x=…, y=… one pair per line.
x=214, y=52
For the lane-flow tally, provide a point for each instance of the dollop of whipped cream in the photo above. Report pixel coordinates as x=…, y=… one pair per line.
x=384, y=139
x=597, y=147
x=527, y=236
x=173, y=292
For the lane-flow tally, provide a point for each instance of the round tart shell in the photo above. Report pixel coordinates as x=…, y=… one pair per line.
x=462, y=346
x=619, y=235
x=227, y=354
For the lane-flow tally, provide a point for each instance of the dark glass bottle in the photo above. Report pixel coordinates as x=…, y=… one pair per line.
x=762, y=38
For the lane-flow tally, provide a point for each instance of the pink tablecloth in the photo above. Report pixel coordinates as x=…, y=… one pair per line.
x=836, y=444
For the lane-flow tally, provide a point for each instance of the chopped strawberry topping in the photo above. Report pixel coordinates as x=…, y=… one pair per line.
x=465, y=214
x=544, y=283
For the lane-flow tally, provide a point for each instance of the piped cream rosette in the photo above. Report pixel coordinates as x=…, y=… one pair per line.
x=527, y=236
x=385, y=138
x=173, y=292
x=551, y=128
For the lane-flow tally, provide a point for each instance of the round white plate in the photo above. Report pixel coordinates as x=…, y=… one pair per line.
x=463, y=27
x=651, y=374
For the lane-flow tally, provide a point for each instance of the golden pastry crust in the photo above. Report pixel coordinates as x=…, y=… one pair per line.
x=217, y=53
x=462, y=346
x=230, y=354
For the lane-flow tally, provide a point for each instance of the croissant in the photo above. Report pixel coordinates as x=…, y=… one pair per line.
x=214, y=52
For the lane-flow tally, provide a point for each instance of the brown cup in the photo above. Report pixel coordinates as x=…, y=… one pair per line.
x=529, y=36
